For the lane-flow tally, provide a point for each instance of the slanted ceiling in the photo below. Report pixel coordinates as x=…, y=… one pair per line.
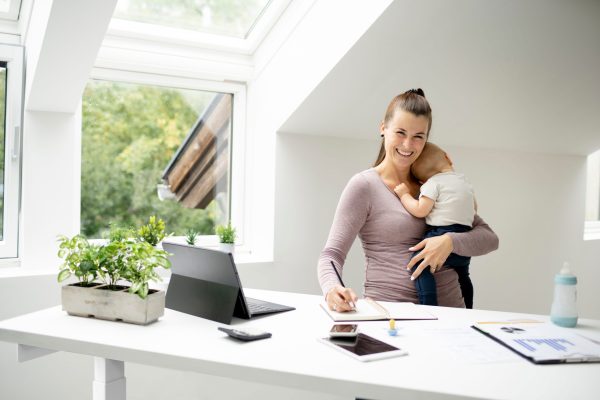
x=516, y=75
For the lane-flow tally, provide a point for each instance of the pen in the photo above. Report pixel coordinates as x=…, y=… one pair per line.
x=341, y=283
x=338, y=274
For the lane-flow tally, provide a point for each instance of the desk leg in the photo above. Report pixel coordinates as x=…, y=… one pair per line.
x=109, y=379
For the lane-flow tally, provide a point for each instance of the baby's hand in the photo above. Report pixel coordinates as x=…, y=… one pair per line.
x=401, y=189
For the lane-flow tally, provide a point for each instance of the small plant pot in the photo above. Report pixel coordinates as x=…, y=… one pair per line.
x=101, y=302
x=227, y=247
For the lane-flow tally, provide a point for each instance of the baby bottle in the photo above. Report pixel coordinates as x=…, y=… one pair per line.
x=564, y=307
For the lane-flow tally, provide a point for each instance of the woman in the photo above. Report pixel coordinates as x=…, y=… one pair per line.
x=369, y=208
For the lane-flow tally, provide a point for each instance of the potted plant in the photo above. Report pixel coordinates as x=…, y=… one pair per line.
x=227, y=236
x=190, y=236
x=125, y=265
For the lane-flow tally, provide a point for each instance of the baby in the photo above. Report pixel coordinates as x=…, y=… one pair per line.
x=448, y=205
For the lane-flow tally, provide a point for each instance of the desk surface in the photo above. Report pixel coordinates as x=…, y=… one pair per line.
x=435, y=366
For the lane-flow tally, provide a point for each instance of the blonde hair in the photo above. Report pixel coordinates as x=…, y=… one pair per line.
x=431, y=161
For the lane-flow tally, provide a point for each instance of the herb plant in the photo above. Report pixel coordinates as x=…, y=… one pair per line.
x=129, y=255
x=190, y=237
x=226, y=233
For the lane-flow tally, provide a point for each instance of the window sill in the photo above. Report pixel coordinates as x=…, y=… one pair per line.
x=11, y=268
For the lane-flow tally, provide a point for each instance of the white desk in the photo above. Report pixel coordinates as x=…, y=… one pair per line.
x=294, y=358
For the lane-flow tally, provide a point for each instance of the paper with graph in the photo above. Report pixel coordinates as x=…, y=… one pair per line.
x=543, y=343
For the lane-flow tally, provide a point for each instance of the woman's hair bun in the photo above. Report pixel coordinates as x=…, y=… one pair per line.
x=418, y=91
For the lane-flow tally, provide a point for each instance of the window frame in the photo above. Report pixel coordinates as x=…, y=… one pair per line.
x=591, y=229
x=169, y=35
x=13, y=55
x=238, y=140
x=13, y=11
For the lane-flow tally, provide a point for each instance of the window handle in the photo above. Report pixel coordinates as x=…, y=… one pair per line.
x=16, y=143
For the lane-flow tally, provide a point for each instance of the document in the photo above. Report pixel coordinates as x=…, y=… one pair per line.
x=371, y=310
x=542, y=343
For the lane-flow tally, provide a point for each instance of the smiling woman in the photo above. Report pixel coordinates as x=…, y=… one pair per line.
x=369, y=208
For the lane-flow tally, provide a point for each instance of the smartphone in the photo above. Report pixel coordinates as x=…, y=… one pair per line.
x=344, y=330
x=364, y=347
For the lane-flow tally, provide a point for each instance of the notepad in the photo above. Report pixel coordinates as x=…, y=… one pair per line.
x=542, y=343
x=371, y=310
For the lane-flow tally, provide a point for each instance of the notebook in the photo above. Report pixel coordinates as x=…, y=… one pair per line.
x=371, y=310
x=542, y=343
x=205, y=282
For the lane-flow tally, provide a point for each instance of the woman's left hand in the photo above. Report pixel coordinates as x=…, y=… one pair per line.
x=435, y=252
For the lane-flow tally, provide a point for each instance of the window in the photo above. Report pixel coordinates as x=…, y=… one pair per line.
x=11, y=93
x=9, y=9
x=592, y=199
x=223, y=17
x=153, y=150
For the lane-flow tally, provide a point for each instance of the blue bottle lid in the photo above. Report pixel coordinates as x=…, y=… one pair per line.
x=565, y=279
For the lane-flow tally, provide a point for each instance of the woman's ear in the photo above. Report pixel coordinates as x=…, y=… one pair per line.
x=382, y=128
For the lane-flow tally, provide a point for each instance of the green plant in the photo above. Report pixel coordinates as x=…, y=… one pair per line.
x=127, y=255
x=80, y=259
x=141, y=264
x=190, y=237
x=153, y=232
x=226, y=233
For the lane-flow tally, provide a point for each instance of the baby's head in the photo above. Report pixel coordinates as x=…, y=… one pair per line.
x=432, y=160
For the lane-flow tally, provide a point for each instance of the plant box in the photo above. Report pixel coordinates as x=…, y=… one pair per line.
x=102, y=303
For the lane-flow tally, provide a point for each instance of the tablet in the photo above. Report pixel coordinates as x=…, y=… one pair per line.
x=364, y=347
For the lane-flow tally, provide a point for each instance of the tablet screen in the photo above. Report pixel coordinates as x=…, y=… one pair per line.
x=362, y=345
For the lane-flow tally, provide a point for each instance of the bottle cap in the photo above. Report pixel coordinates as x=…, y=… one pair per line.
x=565, y=277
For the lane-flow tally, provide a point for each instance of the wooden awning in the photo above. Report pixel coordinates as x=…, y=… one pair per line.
x=201, y=163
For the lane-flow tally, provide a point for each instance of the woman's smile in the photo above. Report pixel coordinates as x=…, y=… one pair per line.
x=404, y=153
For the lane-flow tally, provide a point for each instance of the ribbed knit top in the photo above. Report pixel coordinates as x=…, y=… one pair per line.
x=369, y=209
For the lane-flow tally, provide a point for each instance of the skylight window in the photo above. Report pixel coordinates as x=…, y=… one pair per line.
x=233, y=18
x=9, y=9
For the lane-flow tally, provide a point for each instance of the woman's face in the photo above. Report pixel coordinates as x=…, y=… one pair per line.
x=405, y=136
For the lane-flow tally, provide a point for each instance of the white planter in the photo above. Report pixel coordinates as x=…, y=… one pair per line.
x=227, y=247
x=113, y=305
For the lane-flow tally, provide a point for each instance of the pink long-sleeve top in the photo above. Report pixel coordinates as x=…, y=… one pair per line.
x=369, y=209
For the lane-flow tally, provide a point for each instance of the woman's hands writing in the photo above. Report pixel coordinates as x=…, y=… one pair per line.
x=341, y=299
x=435, y=251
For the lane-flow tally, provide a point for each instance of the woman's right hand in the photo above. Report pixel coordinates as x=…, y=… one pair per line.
x=341, y=299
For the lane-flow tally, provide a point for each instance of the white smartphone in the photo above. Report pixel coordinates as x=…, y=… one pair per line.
x=343, y=330
x=364, y=347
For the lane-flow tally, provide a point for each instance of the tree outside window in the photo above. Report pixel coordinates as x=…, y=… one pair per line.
x=130, y=134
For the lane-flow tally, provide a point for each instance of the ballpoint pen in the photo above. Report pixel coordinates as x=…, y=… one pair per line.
x=351, y=303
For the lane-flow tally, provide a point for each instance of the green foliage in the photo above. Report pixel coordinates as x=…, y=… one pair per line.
x=130, y=133
x=127, y=256
x=226, y=233
x=141, y=264
x=190, y=237
x=153, y=232
x=80, y=258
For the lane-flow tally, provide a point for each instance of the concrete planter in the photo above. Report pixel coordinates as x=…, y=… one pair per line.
x=227, y=247
x=101, y=303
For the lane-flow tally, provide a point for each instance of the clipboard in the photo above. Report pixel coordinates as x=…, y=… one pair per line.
x=542, y=343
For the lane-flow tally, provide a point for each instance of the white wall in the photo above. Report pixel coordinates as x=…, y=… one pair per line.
x=534, y=202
